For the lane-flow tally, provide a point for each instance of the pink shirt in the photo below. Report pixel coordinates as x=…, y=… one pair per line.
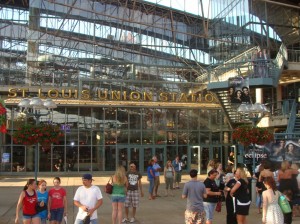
x=57, y=197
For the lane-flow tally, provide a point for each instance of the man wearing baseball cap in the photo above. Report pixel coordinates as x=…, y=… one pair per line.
x=88, y=198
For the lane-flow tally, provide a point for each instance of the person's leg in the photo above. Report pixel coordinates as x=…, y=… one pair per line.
x=26, y=221
x=241, y=219
x=114, y=212
x=126, y=212
x=120, y=211
x=133, y=212
x=36, y=220
x=155, y=186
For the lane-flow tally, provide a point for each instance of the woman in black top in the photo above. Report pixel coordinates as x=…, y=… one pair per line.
x=241, y=193
x=230, y=217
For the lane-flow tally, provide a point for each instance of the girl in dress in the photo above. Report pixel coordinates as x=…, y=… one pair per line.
x=28, y=199
x=169, y=173
x=118, y=195
x=57, y=202
x=272, y=213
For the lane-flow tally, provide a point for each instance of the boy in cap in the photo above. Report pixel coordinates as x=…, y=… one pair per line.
x=88, y=198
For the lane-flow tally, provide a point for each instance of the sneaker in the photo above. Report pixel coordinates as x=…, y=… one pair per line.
x=132, y=220
x=125, y=220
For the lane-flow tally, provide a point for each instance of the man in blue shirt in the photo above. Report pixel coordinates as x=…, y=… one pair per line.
x=157, y=168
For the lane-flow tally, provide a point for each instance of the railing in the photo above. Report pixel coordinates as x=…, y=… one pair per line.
x=281, y=108
x=293, y=55
x=292, y=118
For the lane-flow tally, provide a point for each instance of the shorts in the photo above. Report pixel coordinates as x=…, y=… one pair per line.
x=178, y=177
x=156, y=181
x=169, y=183
x=57, y=214
x=79, y=221
x=191, y=217
x=132, y=199
x=209, y=208
x=118, y=199
x=242, y=208
x=26, y=217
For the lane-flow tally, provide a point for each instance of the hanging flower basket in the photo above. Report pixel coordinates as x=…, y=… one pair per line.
x=2, y=117
x=30, y=134
x=247, y=135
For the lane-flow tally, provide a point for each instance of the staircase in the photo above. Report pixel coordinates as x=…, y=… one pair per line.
x=218, y=82
x=297, y=126
x=230, y=109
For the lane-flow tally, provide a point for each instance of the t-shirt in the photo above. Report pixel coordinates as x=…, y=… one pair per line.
x=133, y=180
x=242, y=193
x=149, y=173
x=156, y=166
x=214, y=188
x=43, y=197
x=88, y=197
x=57, y=197
x=194, y=191
x=29, y=203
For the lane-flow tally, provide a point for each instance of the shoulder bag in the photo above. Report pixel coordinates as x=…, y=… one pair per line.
x=109, y=186
x=284, y=204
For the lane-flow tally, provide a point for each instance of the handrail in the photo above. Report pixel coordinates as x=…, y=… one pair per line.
x=293, y=55
x=292, y=118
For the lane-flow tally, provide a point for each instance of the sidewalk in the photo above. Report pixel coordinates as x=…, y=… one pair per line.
x=161, y=210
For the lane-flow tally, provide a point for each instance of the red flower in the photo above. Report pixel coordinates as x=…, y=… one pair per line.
x=247, y=135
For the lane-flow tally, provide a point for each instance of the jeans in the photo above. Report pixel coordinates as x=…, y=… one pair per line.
x=151, y=185
x=80, y=221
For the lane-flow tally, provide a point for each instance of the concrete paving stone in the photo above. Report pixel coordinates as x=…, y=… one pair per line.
x=161, y=210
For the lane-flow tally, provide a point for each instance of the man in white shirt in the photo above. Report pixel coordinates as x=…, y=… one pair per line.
x=88, y=198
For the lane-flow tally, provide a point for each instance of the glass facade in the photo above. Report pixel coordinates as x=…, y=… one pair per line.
x=129, y=78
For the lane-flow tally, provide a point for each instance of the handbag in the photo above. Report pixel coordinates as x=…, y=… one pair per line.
x=39, y=208
x=109, y=187
x=219, y=206
x=284, y=204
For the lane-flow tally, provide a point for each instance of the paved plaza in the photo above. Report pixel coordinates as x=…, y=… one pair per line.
x=161, y=210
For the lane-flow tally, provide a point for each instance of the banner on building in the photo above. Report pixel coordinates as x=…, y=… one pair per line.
x=239, y=91
x=284, y=150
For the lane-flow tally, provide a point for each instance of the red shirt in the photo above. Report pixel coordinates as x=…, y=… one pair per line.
x=57, y=197
x=29, y=203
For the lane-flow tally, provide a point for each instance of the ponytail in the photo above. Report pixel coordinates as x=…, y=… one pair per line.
x=29, y=182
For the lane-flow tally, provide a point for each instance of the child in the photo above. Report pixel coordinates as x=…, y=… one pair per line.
x=259, y=190
x=169, y=174
x=43, y=200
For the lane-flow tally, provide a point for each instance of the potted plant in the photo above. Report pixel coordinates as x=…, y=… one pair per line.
x=247, y=135
x=2, y=117
x=30, y=134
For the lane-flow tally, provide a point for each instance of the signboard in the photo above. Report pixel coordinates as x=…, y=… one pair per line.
x=284, y=150
x=239, y=91
x=5, y=157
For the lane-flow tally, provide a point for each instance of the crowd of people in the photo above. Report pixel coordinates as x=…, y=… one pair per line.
x=229, y=185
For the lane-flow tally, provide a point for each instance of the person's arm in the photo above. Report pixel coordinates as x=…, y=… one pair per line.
x=211, y=193
x=49, y=205
x=79, y=205
x=235, y=187
x=165, y=170
x=19, y=206
x=264, y=207
x=151, y=173
x=141, y=187
x=98, y=204
x=65, y=205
